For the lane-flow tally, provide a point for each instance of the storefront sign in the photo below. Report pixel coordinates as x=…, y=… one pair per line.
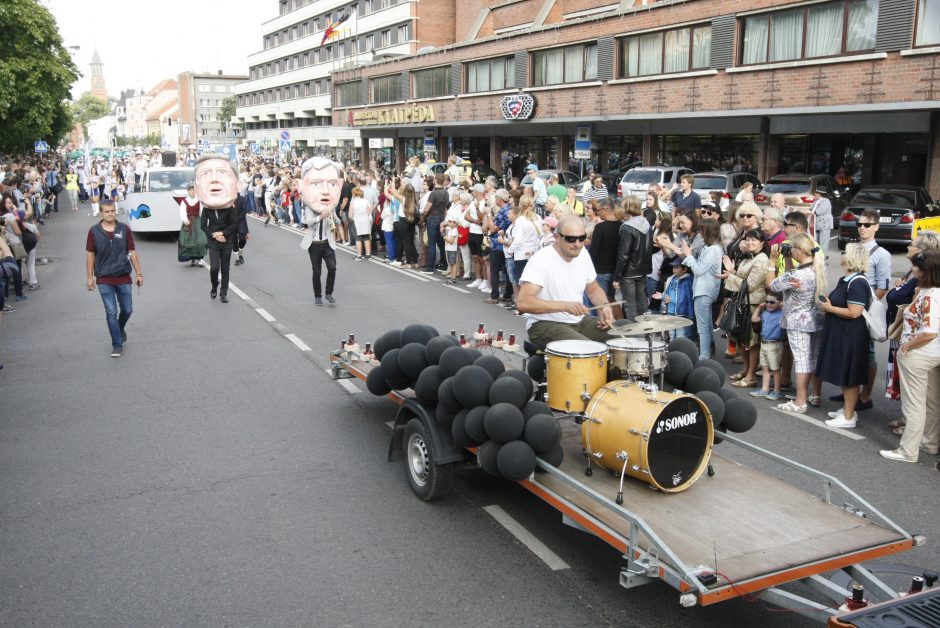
x=517, y=106
x=926, y=224
x=415, y=114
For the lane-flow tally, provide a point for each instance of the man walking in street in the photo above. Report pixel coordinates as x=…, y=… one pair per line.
x=321, y=184
x=217, y=190
x=110, y=255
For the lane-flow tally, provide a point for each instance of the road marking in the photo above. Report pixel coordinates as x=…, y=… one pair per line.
x=241, y=295
x=456, y=288
x=264, y=314
x=406, y=272
x=300, y=344
x=525, y=537
x=835, y=430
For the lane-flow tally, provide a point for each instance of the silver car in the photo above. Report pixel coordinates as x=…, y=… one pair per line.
x=638, y=180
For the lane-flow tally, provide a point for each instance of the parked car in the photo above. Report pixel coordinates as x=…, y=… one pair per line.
x=637, y=181
x=565, y=177
x=799, y=189
x=156, y=208
x=728, y=184
x=899, y=206
x=611, y=180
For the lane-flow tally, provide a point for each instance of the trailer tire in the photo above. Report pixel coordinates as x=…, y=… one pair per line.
x=428, y=480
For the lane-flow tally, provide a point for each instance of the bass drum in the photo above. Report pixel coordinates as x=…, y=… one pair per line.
x=668, y=440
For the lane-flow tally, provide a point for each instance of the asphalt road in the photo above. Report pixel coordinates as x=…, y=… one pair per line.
x=216, y=475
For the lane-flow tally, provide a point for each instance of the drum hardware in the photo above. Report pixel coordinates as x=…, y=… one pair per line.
x=622, y=455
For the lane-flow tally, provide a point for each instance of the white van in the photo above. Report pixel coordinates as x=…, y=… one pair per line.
x=638, y=180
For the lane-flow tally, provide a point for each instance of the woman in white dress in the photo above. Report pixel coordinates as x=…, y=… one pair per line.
x=360, y=214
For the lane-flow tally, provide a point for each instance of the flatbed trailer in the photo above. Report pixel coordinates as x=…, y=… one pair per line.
x=736, y=532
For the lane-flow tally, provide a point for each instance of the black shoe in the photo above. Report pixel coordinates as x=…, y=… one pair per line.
x=330, y=299
x=223, y=298
x=864, y=405
x=238, y=262
x=839, y=397
x=317, y=301
x=116, y=352
x=123, y=336
x=213, y=293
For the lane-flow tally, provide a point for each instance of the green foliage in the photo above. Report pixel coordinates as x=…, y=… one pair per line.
x=36, y=73
x=87, y=108
x=146, y=141
x=226, y=112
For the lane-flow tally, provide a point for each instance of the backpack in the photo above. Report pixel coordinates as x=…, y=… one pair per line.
x=876, y=316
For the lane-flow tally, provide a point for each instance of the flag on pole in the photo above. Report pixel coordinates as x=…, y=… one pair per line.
x=343, y=26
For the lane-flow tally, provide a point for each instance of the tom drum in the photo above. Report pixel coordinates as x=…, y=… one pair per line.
x=631, y=357
x=575, y=369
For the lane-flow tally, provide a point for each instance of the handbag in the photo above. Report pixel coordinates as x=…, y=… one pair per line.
x=736, y=318
x=57, y=188
x=876, y=315
x=19, y=251
x=896, y=327
x=29, y=239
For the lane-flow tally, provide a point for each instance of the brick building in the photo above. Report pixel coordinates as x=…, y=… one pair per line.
x=768, y=86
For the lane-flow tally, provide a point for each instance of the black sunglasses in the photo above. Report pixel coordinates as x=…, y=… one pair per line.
x=572, y=239
x=788, y=224
x=771, y=302
x=866, y=224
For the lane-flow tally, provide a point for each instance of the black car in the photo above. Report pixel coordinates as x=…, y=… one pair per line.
x=899, y=206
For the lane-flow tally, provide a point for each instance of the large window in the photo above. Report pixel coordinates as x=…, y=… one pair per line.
x=564, y=65
x=822, y=30
x=492, y=74
x=928, y=23
x=385, y=88
x=349, y=94
x=432, y=83
x=665, y=52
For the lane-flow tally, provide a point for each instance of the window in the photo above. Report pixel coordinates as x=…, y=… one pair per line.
x=822, y=30
x=203, y=88
x=316, y=56
x=431, y=83
x=296, y=91
x=402, y=33
x=370, y=42
x=492, y=74
x=666, y=52
x=928, y=23
x=306, y=59
x=220, y=89
x=386, y=39
x=384, y=89
x=565, y=65
x=349, y=94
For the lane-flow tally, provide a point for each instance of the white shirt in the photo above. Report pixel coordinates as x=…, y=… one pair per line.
x=476, y=211
x=525, y=239
x=560, y=281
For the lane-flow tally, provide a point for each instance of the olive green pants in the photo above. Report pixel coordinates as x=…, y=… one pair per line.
x=544, y=332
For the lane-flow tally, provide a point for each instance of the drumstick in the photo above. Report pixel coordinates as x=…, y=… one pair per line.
x=597, y=307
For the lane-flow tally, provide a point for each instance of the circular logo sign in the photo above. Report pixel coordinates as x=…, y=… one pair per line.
x=517, y=106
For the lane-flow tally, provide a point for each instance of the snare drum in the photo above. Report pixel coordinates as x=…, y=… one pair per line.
x=631, y=357
x=575, y=370
x=667, y=440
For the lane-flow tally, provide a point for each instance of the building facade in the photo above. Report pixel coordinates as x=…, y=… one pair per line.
x=98, y=87
x=767, y=86
x=200, y=102
x=289, y=84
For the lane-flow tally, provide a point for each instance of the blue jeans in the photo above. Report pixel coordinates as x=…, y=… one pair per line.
x=250, y=202
x=633, y=290
x=114, y=297
x=434, y=240
x=704, y=324
x=390, y=247
x=606, y=282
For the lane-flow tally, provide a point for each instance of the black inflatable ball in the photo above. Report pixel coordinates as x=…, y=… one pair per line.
x=476, y=354
x=678, y=368
x=435, y=347
x=715, y=405
x=686, y=346
x=486, y=456
x=727, y=393
x=542, y=432
x=740, y=415
x=555, y=456
x=535, y=407
x=375, y=382
x=428, y=383
x=459, y=431
x=508, y=390
x=415, y=333
x=431, y=330
x=412, y=359
x=391, y=367
x=445, y=395
x=516, y=460
x=453, y=340
x=535, y=367
x=719, y=430
x=504, y=422
x=492, y=364
x=702, y=378
x=523, y=378
x=472, y=386
x=474, y=424
x=445, y=416
x=454, y=359
x=715, y=366
x=386, y=342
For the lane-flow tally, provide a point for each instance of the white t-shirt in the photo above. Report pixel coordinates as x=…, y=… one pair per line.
x=560, y=281
x=449, y=232
x=923, y=317
x=476, y=211
x=525, y=239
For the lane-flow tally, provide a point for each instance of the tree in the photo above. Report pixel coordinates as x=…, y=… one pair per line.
x=36, y=73
x=87, y=108
x=226, y=112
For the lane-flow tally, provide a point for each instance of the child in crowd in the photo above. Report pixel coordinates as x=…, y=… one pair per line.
x=766, y=321
x=450, y=248
x=676, y=297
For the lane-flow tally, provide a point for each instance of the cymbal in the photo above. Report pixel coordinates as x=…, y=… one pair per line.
x=648, y=324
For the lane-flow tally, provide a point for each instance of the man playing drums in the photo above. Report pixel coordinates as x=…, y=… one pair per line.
x=552, y=285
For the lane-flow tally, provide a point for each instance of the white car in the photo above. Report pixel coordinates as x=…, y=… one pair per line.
x=156, y=207
x=638, y=180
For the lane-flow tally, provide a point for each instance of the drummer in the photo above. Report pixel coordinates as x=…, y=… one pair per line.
x=551, y=286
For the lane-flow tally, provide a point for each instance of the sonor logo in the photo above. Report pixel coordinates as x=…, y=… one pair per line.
x=683, y=420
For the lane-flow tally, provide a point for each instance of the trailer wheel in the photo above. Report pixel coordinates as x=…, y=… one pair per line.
x=428, y=480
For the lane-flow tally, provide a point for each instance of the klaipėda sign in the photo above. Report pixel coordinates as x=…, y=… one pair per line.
x=414, y=114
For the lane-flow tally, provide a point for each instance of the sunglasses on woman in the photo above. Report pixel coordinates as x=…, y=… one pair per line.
x=745, y=215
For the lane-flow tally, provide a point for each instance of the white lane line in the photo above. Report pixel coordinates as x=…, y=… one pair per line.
x=456, y=288
x=264, y=314
x=406, y=273
x=525, y=537
x=351, y=388
x=236, y=290
x=816, y=422
x=300, y=344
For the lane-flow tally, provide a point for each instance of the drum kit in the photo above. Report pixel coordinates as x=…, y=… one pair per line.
x=629, y=425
